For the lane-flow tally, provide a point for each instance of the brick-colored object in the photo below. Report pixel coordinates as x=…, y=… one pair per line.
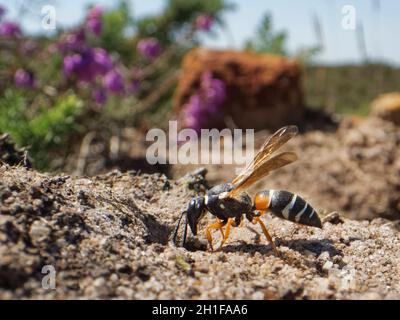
x=263, y=91
x=387, y=107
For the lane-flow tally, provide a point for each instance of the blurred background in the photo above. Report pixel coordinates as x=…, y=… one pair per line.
x=81, y=82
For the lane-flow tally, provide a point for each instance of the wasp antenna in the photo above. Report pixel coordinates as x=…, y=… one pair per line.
x=185, y=231
x=175, y=235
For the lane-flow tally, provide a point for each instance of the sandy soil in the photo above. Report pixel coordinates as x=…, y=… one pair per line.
x=108, y=237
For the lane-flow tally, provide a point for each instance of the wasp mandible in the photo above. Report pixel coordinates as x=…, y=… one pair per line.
x=230, y=203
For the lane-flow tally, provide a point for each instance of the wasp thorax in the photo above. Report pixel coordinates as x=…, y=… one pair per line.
x=227, y=207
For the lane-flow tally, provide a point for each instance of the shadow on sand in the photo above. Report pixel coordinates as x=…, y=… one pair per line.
x=303, y=246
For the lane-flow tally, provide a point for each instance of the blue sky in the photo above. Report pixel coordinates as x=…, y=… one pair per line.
x=381, y=27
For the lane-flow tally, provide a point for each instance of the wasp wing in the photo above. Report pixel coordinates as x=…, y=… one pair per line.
x=278, y=139
x=263, y=169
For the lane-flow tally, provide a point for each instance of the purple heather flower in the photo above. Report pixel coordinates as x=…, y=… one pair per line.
x=204, y=22
x=73, y=41
x=72, y=63
x=149, y=48
x=113, y=81
x=213, y=89
x=99, y=96
x=95, y=12
x=94, y=20
x=95, y=26
x=10, y=29
x=195, y=106
x=23, y=79
x=86, y=70
x=193, y=115
x=205, y=103
x=102, y=62
x=88, y=64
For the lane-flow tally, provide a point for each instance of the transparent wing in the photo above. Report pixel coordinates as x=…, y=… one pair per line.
x=264, y=168
x=278, y=139
x=262, y=163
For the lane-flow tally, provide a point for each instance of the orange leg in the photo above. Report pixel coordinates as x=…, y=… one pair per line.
x=265, y=231
x=231, y=222
x=216, y=225
x=221, y=230
x=241, y=222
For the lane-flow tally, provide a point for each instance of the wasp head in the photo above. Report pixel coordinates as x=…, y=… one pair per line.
x=194, y=212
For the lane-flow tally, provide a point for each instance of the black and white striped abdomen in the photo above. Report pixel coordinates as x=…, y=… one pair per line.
x=290, y=206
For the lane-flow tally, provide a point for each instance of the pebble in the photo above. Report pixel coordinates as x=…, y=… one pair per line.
x=258, y=295
x=324, y=256
x=99, y=282
x=125, y=292
x=39, y=231
x=309, y=253
x=114, y=277
x=327, y=266
x=9, y=200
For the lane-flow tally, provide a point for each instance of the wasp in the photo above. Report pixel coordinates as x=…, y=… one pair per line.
x=230, y=203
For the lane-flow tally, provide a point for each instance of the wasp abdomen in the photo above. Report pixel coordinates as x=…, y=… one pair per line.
x=287, y=205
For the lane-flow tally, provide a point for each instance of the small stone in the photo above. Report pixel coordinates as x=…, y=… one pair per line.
x=125, y=292
x=61, y=242
x=324, y=256
x=322, y=284
x=309, y=253
x=333, y=218
x=258, y=295
x=39, y=231
x=114, y=277
x=9, y=200
x=99, y=282
x=327, y=266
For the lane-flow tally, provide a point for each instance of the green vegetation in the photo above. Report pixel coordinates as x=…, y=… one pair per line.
x=45, y=129
x=268, y=40
x=348, y=89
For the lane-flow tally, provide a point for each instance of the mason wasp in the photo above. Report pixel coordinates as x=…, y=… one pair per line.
x=230, y=203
